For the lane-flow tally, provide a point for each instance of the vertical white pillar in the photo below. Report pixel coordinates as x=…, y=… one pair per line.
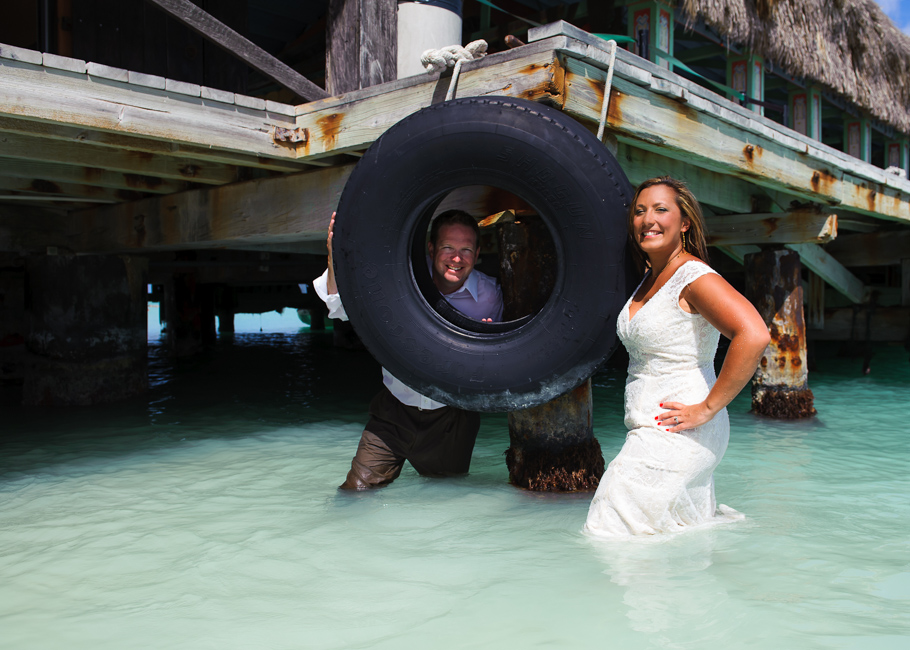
x=425, y=25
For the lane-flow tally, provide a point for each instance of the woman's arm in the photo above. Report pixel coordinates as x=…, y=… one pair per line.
x=735, y=317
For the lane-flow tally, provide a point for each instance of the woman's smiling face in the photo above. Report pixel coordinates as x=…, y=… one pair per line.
x=657, y=222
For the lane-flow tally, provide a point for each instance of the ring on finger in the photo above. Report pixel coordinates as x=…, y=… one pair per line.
x=676, y=420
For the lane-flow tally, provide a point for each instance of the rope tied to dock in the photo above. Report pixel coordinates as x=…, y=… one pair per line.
x=447, y=57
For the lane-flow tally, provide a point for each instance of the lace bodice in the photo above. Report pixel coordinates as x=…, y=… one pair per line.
x=671, y=352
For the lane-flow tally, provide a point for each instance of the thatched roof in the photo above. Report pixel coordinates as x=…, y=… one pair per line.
x=850, y=46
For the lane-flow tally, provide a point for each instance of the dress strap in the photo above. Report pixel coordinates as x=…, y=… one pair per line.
x=686, y=274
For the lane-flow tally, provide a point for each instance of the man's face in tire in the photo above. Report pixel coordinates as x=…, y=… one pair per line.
x=453, y=257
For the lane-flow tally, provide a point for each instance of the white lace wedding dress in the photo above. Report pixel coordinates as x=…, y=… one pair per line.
x=663, y=482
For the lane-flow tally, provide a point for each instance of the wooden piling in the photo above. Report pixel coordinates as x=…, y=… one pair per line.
x=780, y=387
x=552, y=446
x=189, y=312
x=87, y=335
x=225, y=308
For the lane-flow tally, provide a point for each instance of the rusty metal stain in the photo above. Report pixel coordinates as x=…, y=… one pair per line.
x=546, y=91
x=190, y=171
x=870, y=200
x=770, y=225
x=751, y=152
x=614, y=113
x=558, y=81
x=533, y=68
x=823, y=183
x=597, y=87
x=330, y=126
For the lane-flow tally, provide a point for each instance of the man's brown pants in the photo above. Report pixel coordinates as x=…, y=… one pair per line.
x=436, y=442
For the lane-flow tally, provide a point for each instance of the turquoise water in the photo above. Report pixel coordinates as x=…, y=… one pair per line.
x=205, y=515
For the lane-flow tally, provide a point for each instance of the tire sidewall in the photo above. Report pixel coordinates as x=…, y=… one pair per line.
x=537, y=154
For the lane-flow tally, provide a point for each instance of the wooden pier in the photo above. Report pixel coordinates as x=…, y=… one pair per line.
x=102, y=161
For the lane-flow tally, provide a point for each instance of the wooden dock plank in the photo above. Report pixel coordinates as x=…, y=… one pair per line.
x=353, y=121
x=716, y=140
x=708, y=186
x=33, y=128
x=18, y=147
x=33, y=92
x=283, y=209
x=40, y=173
x=794, y=227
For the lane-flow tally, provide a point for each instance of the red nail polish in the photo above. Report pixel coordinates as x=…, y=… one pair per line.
x=659, y=423
x=655, y=417
x=668, y=430
x=661, y=405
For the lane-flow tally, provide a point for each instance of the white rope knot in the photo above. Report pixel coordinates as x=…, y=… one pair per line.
x=447, y=57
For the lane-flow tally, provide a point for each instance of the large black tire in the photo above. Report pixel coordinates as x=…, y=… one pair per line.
x=538, y=154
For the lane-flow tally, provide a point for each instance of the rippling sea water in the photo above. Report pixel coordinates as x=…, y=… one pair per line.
x=206, y=515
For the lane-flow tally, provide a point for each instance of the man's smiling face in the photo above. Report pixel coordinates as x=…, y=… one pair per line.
x=453, y=256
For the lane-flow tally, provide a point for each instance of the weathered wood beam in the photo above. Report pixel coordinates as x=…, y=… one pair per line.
x=882, y=248
x=33, y=92
x=284, y=209
x=815, y=302
x=361, y=44
x=655, y=113
x=253, y=272
x=814, y=257
x=708, y=187
x=48, y=174
x=19, y=147
x=796, y=226
x=75, y=191
x=352, y=121
x=232, y=42
x=77, y=134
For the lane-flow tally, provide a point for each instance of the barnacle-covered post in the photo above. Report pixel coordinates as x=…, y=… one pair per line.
x=780, y=387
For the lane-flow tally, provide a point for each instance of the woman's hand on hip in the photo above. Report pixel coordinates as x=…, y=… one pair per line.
x=680, y=417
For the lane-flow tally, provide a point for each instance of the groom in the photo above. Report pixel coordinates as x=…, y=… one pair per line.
x=436, y=439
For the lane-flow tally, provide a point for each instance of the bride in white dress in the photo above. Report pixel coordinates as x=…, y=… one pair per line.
x=662, y=480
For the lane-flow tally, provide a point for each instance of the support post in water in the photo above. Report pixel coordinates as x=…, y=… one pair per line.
x=189, y=313
x=225, y=308
x=780, y=387
x=87, y=335
x=552, y=446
